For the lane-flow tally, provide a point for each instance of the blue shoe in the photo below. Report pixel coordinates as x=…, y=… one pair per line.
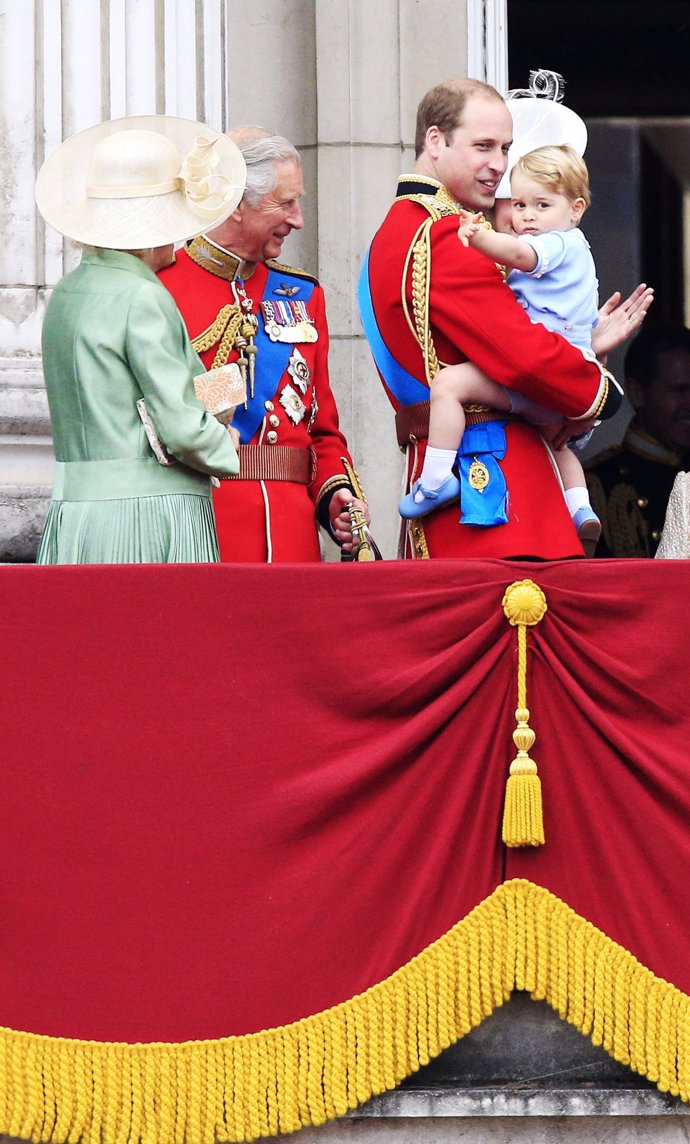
x=588, y=528
x=433, y=498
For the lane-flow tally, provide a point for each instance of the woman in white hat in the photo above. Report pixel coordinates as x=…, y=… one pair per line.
x=135, y=449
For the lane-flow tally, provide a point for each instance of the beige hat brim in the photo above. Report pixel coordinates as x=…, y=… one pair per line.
x=540, y=123
x=136, y=223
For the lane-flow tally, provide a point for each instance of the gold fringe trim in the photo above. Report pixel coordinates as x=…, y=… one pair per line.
x=524, y=605
x=240, y=1088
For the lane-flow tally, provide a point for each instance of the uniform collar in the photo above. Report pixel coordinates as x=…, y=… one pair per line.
x=418, y=185
x=223, y=263
x=639, y=441
x=412, y=186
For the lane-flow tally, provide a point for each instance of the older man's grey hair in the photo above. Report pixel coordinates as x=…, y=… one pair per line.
x=262, y=150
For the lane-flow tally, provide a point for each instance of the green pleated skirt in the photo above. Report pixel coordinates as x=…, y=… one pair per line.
x=177, y=528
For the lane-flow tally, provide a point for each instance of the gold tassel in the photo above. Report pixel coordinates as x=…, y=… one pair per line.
x=524, y=605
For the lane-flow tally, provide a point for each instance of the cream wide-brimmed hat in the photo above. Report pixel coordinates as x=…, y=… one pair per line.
x=540, y=121
x=142, y=181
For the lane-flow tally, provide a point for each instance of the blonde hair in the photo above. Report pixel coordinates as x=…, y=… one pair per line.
x=560, y=169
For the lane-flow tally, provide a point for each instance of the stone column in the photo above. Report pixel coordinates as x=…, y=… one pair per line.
x=25, y=455
x=65, y=65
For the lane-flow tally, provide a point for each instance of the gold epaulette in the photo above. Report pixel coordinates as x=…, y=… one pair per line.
x=440, y=205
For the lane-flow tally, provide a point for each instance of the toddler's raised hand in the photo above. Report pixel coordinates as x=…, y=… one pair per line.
x=469, y=226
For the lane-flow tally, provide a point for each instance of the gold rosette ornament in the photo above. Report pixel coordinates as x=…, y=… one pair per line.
x=524, y=605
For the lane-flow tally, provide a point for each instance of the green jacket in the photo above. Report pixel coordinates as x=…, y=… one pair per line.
x=112, y=335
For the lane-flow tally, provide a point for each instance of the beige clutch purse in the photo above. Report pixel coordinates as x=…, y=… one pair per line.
x=221, y=390
x=161, y=453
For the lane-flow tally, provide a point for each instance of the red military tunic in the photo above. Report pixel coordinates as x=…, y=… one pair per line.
x=292, y=418
x=471, y=313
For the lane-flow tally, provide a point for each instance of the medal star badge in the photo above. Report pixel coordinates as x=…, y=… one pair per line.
x=299, y=371
x=479, y=475
x=292, y=404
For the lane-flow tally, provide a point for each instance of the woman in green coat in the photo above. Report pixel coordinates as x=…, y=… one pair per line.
x=135, y=450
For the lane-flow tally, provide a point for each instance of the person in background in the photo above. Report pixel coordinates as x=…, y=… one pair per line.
x=630, y=483
x=135, y=449
x=242, y=306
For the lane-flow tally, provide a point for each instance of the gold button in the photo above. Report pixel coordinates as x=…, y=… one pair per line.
x=271, y=436
x=269, y=406
x=656, y=535
x=642, y=502
x=274, y=420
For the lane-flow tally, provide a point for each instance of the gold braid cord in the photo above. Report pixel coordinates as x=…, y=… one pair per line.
x=420, y=253
x=524, y=605
x=421, y=282
x=223, y=330
x=439, y=205
x=275, y=1081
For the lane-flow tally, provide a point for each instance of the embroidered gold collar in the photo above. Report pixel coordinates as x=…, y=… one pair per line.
x=432, y=194
x=222, y=263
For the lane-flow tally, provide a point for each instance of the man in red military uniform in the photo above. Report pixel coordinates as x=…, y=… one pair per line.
x=240, y=305
x=427, y=301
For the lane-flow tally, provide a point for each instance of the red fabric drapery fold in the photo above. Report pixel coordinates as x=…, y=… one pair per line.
x=231, y=797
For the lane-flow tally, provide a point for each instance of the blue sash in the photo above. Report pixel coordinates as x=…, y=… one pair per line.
x=408, y=390
x=271, y=361
x=484, y=443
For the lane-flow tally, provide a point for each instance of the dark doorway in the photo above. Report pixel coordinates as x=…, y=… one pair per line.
x=619, y=57
x=625, y=63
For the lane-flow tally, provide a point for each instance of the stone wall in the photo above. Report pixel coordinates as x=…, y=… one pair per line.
x=341, y=78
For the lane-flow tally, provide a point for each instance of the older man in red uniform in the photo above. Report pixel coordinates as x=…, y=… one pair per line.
x=427, y=301
x=240, y=305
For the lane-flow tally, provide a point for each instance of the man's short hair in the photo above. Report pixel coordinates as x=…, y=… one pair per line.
x=262, y=150
x=443, y=107
x=642, y=357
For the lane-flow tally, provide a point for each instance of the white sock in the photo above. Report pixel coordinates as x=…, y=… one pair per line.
x=576, y=498
x=437, y=467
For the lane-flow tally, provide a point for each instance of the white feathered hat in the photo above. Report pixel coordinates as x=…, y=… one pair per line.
x=540, y=120
x=142, y=181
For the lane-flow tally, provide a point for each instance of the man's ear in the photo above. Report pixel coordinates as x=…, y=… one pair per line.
x=433, y=141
